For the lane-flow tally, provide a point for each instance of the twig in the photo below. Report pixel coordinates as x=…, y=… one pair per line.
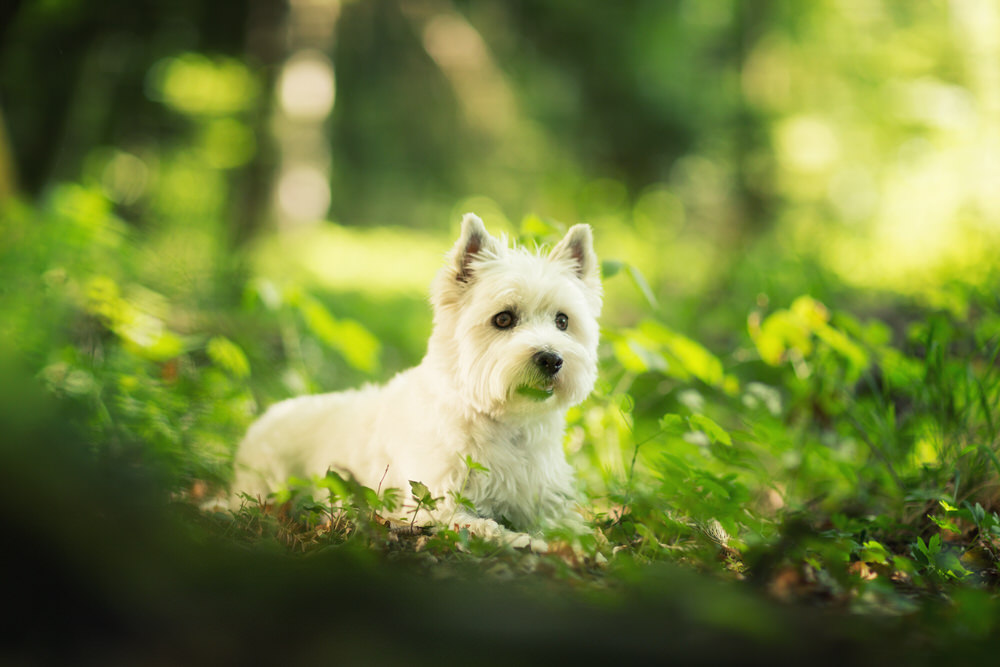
x=386, y=472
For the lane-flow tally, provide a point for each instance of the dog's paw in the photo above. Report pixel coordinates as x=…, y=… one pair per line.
x=538, y=545
x=493, y=531
x=526, y=542
x=479, y=526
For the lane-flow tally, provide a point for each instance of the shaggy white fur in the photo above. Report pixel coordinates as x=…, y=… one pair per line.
x=514, y=345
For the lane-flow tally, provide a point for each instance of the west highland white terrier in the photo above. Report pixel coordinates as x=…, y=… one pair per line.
x=514, y=345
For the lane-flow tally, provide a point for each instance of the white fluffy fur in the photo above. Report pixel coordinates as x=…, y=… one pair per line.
x=462, y=399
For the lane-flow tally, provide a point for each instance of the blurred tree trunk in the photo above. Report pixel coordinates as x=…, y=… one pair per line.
x=8, y=171
x=755, y=212
x=264, y=46
x=300, y=110
x=8, y=167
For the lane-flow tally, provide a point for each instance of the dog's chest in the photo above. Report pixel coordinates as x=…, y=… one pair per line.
x=509, y=452
x=525, y=471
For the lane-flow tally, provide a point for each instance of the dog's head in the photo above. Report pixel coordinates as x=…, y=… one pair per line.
x=517, y=331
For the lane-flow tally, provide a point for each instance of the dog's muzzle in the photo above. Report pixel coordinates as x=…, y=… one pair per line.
x=548, y=362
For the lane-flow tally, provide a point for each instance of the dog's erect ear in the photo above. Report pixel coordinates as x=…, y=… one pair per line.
x=472, y=241
x=577, y=250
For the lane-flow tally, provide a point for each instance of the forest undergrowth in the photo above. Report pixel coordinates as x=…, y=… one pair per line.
x=837, y=452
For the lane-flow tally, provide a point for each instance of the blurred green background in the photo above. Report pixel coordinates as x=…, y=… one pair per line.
x=279, y=179
x=860, y=137
x=207, y=207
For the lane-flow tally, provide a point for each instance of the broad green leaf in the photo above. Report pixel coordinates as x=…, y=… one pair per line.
x=636, y=357
x=977, y=511
x=611, y=267
x=334, y=483
x=229, y=356
x=356, y=345
x=810, y=311
x=715, y=432
x=266, y=291
x=390, y=498
x=949, y=562
x=162, y=347
x=686, y=353
x=422, y=495
x=142, y=333
x=712, y=486
x=874, y=552
x=673, y=425
x=844, y=346
x=780, y=332
x=359, y=347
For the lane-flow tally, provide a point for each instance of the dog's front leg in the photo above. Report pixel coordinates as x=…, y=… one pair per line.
x=491, y=530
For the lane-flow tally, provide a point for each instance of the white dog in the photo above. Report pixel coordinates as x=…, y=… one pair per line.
x=514, y=345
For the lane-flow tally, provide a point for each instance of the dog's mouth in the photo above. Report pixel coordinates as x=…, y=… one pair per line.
x=538, y=391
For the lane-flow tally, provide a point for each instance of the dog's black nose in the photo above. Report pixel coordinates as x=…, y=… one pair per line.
x=548, y=362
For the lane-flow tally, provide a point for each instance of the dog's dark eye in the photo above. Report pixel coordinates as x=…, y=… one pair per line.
x=562, y=321
x=504, y=320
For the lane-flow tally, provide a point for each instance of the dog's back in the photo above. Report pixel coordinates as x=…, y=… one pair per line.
x=302, y=437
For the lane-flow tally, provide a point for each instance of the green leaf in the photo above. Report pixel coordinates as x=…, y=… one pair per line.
x=810, y=311
x=228, y=356
x=944, y=523
x=534, y=393
x=715, y=432
x=390, y=498
x=474, y=465
x=161, y=346
x=356, y=345
x=950, y=563
x=534, y=227
x=648, y=535
x=634, y=352
x=920, y=552
x=977, y=512
x=714, y=486
x=851, y=351
x=673, y=425
x=778, y=333
x=335, y=484
x=684, y=353
x=874, y=552
x=423, y=495
x=266, y=292
x=611, y=267
x=419, y=490
x=462, y=501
